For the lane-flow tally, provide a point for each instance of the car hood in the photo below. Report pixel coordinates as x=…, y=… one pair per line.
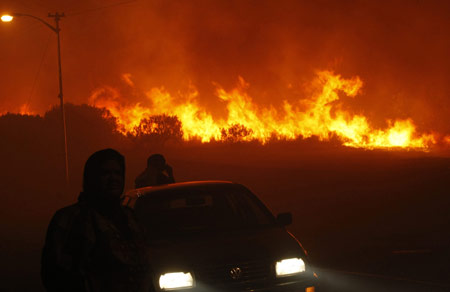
x=224, y=248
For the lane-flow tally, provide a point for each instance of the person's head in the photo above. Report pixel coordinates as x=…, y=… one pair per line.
x=157, y=162
x=104, y=174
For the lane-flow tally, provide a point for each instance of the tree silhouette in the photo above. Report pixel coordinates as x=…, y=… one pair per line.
x=236, y=133
x=159, y=129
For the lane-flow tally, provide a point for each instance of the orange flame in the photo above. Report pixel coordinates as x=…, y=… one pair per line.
x=317, y=116
x=25, y=110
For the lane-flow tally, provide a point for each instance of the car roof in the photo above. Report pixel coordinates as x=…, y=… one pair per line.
x=130, y=196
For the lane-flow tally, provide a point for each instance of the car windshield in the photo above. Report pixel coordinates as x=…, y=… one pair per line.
x=212, y=208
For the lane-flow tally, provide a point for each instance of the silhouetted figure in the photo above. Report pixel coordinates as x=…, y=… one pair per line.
x=158, y=172
x=96, y=244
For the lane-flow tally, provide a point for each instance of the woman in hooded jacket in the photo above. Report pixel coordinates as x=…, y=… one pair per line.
x=96, y=244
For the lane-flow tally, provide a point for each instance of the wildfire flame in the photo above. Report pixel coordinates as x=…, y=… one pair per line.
x=320, y=116
x=247, y=121
x=251, y=122
x=25, y=110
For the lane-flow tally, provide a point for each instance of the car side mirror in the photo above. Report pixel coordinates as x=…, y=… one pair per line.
x=284, y=219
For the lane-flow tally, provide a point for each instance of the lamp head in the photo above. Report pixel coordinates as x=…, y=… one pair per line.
x=7, y=18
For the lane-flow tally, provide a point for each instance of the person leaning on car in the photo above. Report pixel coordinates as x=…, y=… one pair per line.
x=95, y=244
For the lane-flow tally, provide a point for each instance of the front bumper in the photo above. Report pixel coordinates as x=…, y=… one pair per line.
x=305, y=283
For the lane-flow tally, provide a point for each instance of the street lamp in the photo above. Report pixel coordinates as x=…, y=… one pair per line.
x=57, y=16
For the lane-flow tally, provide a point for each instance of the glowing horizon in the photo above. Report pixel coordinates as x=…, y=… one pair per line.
x=320, y=115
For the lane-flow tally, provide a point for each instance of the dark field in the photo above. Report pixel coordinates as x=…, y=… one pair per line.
x=374, y=212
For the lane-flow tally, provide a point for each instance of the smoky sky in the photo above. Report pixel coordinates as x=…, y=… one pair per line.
x=398, y=48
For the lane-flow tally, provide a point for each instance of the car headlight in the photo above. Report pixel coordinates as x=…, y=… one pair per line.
x=180, y=280
x=288, y=267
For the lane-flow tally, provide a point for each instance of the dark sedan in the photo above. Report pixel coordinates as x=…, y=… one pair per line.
x=218, y=236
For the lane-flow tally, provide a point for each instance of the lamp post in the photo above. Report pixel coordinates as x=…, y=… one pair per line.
x=57, y=16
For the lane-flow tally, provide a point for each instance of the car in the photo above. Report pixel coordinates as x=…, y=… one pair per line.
x=218, y=236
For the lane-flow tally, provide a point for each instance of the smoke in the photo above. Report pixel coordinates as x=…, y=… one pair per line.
x=398, y=48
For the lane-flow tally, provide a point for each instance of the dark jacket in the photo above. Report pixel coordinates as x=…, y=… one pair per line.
x=90, y=249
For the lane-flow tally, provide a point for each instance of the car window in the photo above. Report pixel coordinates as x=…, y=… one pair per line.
x=213, y=209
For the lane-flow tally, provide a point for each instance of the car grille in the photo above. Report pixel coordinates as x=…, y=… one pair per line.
x=252, y=273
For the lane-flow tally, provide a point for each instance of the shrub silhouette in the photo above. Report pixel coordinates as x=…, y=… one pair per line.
x=158, y=129
x=236, y=133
